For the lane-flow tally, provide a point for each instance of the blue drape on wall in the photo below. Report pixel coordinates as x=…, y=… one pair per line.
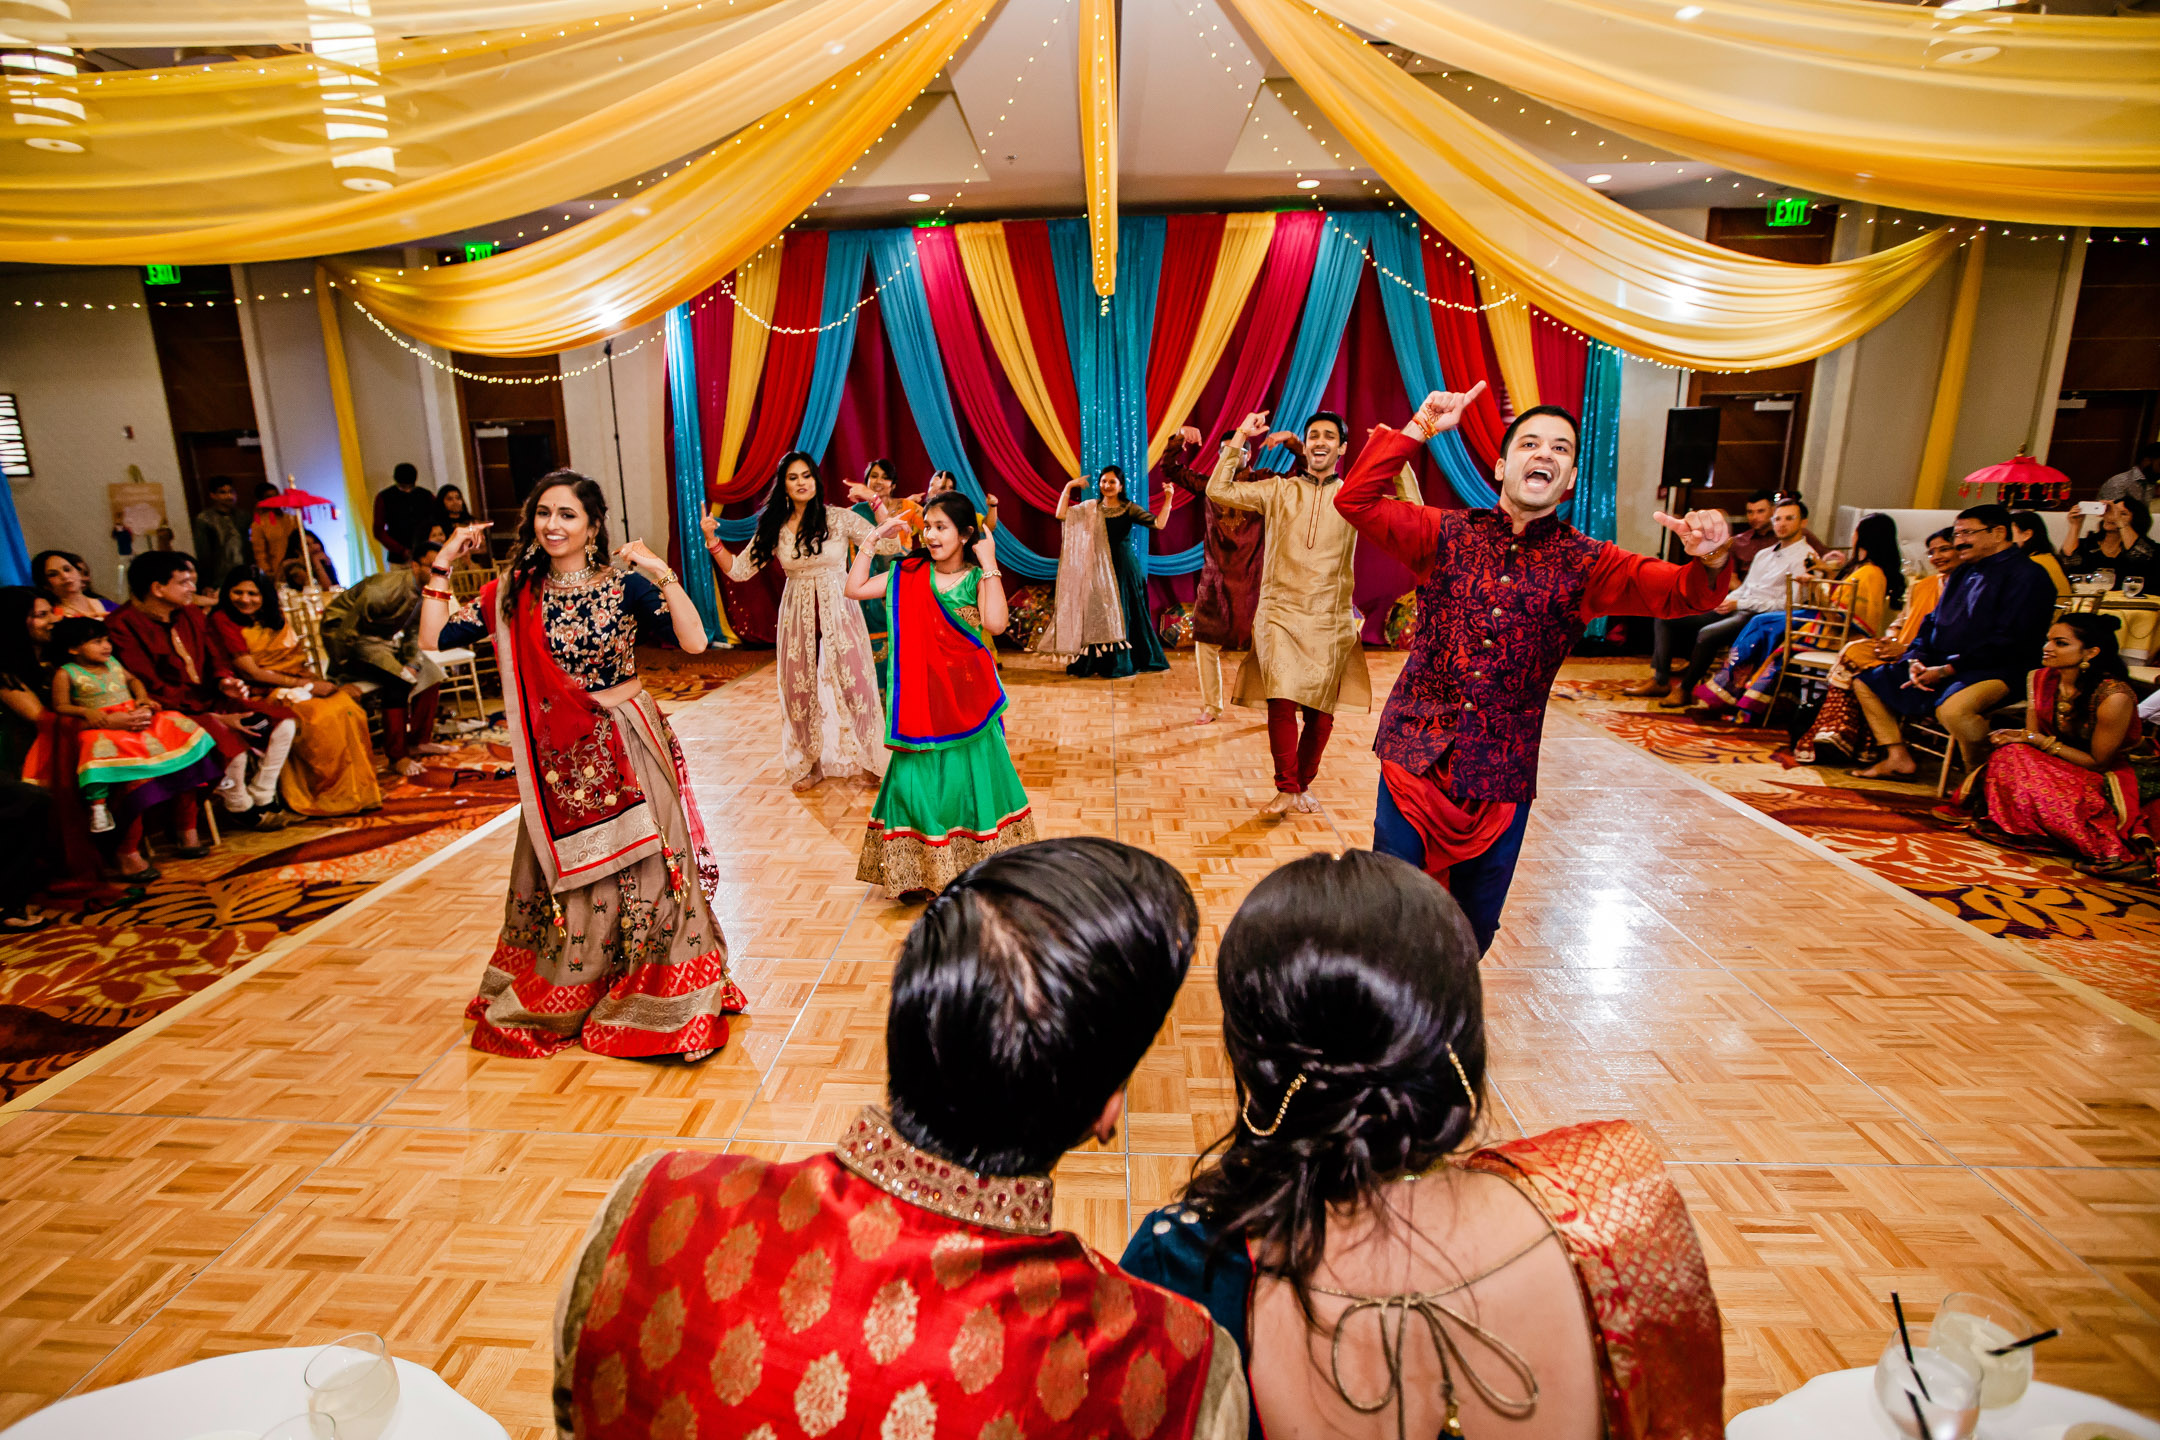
x=1110, y=353
x=1410, y=327
x=845, y=253
x=905, y=307
x=689, y=478
x=1596, y=505
x=14, y=553
x=1320, y=328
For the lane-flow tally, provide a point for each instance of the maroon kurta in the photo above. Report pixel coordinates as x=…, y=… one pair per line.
x=1229, y=585
x=1497, y=613
x=180, y=662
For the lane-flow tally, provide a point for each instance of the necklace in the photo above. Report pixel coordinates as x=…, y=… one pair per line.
x=573, y=579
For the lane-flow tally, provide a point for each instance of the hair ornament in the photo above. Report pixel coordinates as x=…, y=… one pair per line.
x=1469, y=1095
x=1280, y=1110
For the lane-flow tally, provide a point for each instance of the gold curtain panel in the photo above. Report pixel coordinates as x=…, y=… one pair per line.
x=1099, y=136
x=629, y=263
x=363, y=143
x=98, y=24
x=1584, y=259
x=2053, y=119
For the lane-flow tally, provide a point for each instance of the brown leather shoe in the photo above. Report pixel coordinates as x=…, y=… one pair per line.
x=1649, y=689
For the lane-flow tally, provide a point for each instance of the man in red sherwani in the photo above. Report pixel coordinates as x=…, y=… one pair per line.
x=909, y=1282
x=1503, y=595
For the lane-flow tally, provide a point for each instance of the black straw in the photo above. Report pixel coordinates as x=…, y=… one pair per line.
x=2021, y=1344
x=1918, y=1415
x=1911, y=1364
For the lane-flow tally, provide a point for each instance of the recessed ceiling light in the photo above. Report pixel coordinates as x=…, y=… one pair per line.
x=1308, y=184
x=919, y=196
x=1599, y=179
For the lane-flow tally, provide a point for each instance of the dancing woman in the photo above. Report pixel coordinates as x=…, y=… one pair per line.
x=831, y=720
x=1142, y=647
x=951, y=796
x=874, y=502
x=608, y=937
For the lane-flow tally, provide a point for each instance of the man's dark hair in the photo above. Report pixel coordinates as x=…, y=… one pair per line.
x=216, y=483
x=1988, y=517
x=1795, y=501
x=1342, y=428
x=422, y=548
x=156, y=567
x=1026, y=995
x=1507, y=436
x=404, y=473
x=1763, y=497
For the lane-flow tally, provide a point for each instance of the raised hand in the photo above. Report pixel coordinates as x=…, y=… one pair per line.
x=637, y=554
x=1253, y=426
x=710, y=524
x=465, y=540
x=861, y=493
x=986, y=553
x=1702, y=533
x=1190, y=434
x=1284, y=437
x=1443, y=409
x=892, y=525
x=1078, y=482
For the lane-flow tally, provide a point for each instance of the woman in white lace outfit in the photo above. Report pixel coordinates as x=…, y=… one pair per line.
x=832, y=723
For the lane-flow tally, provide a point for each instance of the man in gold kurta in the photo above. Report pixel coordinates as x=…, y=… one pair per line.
x=1305, y=658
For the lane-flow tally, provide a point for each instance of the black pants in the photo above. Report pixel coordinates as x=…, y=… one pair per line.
x=1480, y=884
x=1670, y=637
x=25, y=811
x=1711, y=641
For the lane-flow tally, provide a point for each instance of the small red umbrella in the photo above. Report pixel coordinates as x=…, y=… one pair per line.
x=293, y=499
x=2022, y=478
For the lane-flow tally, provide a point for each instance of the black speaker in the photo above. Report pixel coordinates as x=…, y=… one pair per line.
x=1691, y=433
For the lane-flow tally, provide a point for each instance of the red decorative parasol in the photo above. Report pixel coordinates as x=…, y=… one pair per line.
x=2023, y=480
x=294, y=499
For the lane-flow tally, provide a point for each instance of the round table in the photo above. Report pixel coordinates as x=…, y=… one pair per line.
x=1842, y=1404
x=237, y=1397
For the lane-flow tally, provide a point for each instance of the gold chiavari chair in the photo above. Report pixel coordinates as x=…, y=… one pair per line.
x=1818, y=622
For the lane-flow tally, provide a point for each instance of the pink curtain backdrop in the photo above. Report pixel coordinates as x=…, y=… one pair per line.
x=1191, y=245
x=1466, y=354
x=1561, y=356
x=1035, y=276
x=790, y=356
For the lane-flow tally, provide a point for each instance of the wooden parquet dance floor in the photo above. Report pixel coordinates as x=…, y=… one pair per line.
x=1856, y=1093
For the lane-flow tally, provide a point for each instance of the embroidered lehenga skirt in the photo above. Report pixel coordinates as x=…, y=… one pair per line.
x=939, y=811
x=634, y=963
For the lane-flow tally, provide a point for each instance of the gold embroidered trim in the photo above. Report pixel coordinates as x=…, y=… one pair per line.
x=872, y=1149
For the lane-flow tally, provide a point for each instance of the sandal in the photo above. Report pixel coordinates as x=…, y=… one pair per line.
x=2133, y=871
x=28, y=921
x=141, y=877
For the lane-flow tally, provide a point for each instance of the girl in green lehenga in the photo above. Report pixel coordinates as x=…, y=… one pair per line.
x=950, y=796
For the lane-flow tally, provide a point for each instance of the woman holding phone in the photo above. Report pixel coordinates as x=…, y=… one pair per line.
x=2123, y=543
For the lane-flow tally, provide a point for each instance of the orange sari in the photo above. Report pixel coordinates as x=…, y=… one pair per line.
x=330, y=770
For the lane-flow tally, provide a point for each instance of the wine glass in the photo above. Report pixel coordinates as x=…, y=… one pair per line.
x=354, y=1382
x=1970, y=1326
x=1938, y=1388
x=310, y=1426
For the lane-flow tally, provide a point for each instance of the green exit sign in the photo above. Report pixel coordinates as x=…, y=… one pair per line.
x=161, y=274
x=1792, y=210
x=479, y=249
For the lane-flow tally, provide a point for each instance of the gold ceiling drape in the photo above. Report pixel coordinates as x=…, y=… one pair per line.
x=1581, y=257
x=629, y=263
x=1099, y=136
x=359, y=144
x=2053, y=119
x=126, y=24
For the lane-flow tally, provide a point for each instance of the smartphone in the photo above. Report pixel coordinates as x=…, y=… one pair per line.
x=2091, y=507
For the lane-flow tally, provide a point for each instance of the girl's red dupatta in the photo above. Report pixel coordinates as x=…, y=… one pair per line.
x=584, y=810
x=945, y=683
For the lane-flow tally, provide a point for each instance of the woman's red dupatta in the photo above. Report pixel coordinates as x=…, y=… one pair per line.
x=2120, y=784
x=945, y=684
x=584, y=810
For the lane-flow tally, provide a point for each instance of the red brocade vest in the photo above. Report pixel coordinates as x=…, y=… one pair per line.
x=845, y=1296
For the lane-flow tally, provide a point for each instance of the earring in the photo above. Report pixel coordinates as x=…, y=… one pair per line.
x=589, y=549
x=1280, y=1110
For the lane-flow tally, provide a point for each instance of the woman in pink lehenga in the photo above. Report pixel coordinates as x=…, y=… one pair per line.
x=832, y=724
x=2067, y=776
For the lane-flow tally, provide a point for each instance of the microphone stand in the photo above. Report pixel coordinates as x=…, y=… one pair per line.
x=622, y=481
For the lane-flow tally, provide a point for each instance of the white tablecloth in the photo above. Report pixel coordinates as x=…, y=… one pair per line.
x=1841, y=1406
x=237, y=1397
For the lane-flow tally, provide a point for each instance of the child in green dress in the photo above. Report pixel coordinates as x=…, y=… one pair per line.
x=950, y=796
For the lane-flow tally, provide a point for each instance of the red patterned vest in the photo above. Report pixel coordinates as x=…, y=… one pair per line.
x=875, y=1291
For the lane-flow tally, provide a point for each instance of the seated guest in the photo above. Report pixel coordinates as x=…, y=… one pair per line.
x=909, y=1282
x=1993, y=614
x=2065, y=776
x=130, y=755
x=1837, y=726
x=2123, y=545
x=1748, y=679
x=1554, y=1282
x=2029, y=533
x=166, y=642
x=1671, y=635
x=320, y=558
x=27, y=808
x=327, y=771
x=1761, y=593
x=372, y=632
x=64, y=579
x=26, y=624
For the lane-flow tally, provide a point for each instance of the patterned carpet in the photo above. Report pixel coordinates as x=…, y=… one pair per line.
x=2106, y=935
x=122, y=956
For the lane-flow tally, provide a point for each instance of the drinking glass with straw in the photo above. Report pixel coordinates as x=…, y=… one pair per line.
x=1928, y=1394
x=1995, y=1337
